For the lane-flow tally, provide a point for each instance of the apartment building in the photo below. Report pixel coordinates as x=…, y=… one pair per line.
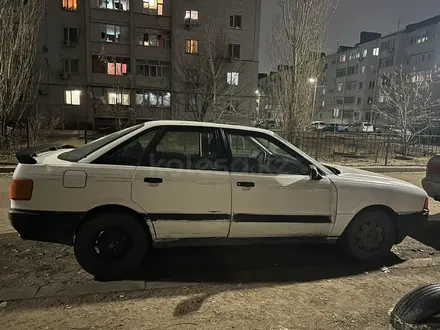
x=350, y=84
x=97, y=53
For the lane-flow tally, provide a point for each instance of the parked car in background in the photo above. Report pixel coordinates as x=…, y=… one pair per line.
x=335, y=128
x=361, y=128
x=316, y=126
x=431, y=181
x=391, y=130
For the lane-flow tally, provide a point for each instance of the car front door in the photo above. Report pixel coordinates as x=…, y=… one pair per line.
x=182, y=184
x=272, y=193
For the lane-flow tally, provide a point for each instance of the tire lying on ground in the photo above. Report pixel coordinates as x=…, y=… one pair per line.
x=419, y=309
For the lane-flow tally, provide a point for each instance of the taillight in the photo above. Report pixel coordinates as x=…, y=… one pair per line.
x=426, y=207
x=21, y=189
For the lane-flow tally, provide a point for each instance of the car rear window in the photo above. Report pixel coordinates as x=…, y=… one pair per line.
x=82, y=152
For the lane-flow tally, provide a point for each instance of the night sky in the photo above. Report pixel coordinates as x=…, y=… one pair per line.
x=354, y=16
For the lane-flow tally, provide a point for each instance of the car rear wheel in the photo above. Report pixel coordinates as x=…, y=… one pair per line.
x=370, y=235
x=111, y=244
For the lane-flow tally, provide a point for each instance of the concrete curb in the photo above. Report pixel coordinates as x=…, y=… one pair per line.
x=33, y=292
x=393, y=169
x=7, y=169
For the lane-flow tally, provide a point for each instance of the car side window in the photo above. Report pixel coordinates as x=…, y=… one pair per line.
x=130, y=153
x=258, y=153
x=187, y=148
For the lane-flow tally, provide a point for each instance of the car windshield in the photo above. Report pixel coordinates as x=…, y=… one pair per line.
x=82, y=152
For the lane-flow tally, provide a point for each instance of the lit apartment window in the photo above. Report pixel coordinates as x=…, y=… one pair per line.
x=72, y=97
x=113, y=4
x=381, y=98
x=153, y=7
x=153, y=68
x=365, y=54
x=234, y=51
x=232, y=78
x=235, y=22
x=422, y=38
x=376, y=51
x=113, y=33
x=70, y=36
x=117, y=68
x=192, y=46
x=323, y=104
x=340, y=86
x=70, y=5
x=71, y=66
x=148, y=38
x=118, y=97
x=343, y=58
x=153, y=99
x=191, y=18
x=363, y=69
x=110, y=66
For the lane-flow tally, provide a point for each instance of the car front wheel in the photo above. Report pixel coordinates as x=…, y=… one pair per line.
x=370, y=235
x=111, y=244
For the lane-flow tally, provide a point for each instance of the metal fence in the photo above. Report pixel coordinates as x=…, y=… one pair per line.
x=349, y=148
x=368, y=148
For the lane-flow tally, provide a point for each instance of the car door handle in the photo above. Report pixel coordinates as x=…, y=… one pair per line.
x=246, y=184
x=153, y=180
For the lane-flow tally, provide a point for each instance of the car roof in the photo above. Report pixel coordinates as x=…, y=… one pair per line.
x=203, y=124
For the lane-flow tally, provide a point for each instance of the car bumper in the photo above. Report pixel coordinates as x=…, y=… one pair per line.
x=410, y=223
x=432, y=188
x=45, y=226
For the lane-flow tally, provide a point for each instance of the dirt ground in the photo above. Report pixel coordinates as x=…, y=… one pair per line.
x=310, y=298
x=260, y=287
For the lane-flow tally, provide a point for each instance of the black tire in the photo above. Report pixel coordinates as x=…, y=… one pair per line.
x=419, y=309
x=111, y=244
x=370, y=235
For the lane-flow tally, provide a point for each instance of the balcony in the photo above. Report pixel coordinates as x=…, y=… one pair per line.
x=152, y=113
x=114, y=16
x=111, y=49
x=152, y=82
x=159, y=22
x=159, y=53
x=111, y=80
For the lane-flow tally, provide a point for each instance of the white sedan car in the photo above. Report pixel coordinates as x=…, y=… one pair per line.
x=115, y=198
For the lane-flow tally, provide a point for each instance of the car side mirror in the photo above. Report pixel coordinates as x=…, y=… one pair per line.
x=314, y=173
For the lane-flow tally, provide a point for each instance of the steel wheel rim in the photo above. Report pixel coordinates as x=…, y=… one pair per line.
x=112, y=244
x=370, y=236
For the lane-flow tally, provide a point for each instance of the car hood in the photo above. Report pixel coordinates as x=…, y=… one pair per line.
x=354, y=174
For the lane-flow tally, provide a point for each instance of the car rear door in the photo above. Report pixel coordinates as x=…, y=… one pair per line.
x=183, y=185
x=275, y=199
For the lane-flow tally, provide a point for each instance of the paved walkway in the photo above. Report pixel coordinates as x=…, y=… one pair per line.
x=24, y=293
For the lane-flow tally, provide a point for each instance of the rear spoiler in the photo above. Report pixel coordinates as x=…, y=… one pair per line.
x=26, y=156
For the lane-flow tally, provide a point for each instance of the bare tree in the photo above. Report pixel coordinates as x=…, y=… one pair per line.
x=406, y=101
x=117, y=102
x=208, y=85
x=20, y=20
x=41, y=126
x=296, y=48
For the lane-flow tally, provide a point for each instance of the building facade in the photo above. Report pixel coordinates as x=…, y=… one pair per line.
x=350, y=85
x=98, y=57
